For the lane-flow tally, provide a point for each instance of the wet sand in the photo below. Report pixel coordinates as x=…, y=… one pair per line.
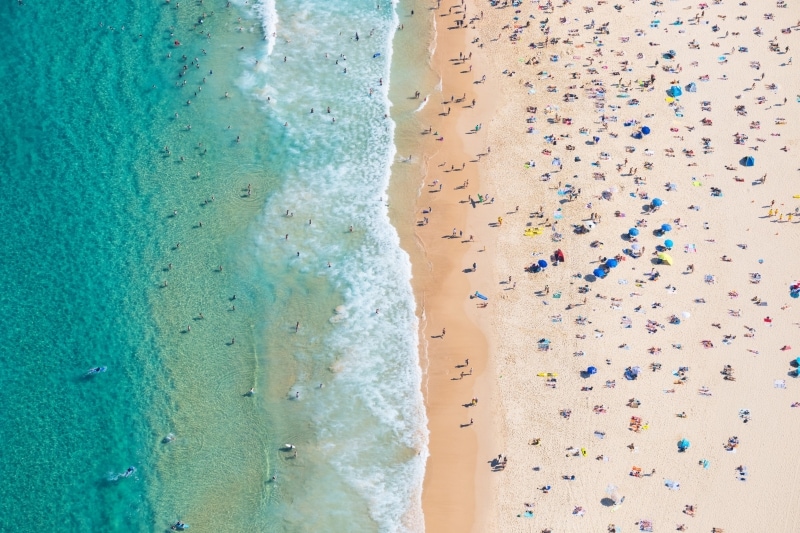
x=456, y=488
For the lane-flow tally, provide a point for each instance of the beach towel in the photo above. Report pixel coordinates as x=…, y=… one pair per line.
x=780, y=383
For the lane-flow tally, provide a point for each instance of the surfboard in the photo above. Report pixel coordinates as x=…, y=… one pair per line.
x=481, y=296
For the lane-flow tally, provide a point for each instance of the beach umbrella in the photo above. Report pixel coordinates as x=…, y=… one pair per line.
x=637, y=135
x=612, y=263
x=599, y=273
x=657, y=202
x=684, y=444
x=646, y=130
x=666, y=227
x=686, y=314
x=596, y=139
x=795, y=294
x=675, y=91
x=633, y=232
x=749, y=161
x=665, y=258
x=591, y=370
x=668, y=243
x=542, y=263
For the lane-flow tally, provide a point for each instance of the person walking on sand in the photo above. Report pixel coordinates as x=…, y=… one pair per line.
x=443, y=332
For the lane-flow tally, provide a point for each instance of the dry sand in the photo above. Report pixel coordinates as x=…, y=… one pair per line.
x=463, y=492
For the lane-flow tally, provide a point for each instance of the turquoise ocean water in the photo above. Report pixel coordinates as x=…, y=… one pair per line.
x=151, y=152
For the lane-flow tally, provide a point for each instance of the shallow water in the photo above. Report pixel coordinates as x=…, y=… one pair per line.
x=107, y=263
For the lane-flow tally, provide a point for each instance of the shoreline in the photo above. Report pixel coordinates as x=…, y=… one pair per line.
x=457, y=487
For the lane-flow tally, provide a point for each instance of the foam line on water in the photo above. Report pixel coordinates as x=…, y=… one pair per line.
x=370, y=423
x=269, y=18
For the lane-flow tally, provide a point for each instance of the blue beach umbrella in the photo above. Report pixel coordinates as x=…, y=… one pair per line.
x=668, y=243
x=612, y=263
x=633, y=232
x=683, y=445
x=542, y=263
x=646, y=130
x=598, y=272
x=666, y=227
x=591, y=370
x=657, y=202
x=795, y=294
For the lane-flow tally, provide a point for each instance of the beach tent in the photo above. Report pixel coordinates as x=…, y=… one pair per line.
x=666, y=227
x=559, y=255
x=646, y=130
x=657, y=202
x=683, y=445
x=691, y=88
x=633, y=232
x=668, y=244
x=748, y=161
x=665, y=258
x=612, y=263
x=675, y=91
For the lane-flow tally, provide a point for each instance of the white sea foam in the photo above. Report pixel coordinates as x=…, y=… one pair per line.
x=370, y=424
x=269, y=18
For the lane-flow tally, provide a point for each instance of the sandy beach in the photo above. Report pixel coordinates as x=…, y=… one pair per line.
x=646, y=381
x=449, y=243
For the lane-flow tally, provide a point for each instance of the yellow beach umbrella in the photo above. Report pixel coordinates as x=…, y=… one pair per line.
x=665, y=258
